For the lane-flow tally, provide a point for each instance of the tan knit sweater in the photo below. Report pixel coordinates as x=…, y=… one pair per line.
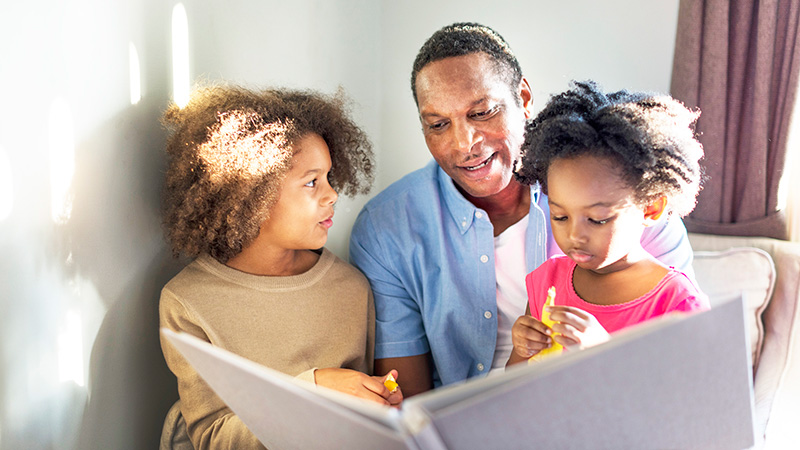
x=319, y=319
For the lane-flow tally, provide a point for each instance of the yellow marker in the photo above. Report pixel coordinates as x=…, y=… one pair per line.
x=390, y=383
x=555, y=347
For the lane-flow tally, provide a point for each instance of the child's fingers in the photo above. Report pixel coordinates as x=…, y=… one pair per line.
x=375, y=386
x=576, y=326
x=569, y=315
x=529, y=336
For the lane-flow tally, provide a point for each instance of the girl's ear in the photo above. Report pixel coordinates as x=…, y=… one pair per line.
x=654, y=210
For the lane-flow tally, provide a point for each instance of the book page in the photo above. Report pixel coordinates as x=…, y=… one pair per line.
x=676, y=382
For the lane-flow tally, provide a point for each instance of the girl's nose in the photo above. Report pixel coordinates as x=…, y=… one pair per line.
x=330, y=197
x=577, y=232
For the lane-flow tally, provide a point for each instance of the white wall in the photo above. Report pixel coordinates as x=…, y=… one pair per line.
x=80, y=363
x=622, y=44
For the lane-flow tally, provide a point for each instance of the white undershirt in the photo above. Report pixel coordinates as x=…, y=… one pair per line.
x=509, y=257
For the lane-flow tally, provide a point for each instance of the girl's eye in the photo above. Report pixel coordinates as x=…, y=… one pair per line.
x=600, y=222
x=558, y=218
x=312, y=183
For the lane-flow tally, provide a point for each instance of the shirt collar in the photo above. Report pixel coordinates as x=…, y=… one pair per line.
x=462, y=210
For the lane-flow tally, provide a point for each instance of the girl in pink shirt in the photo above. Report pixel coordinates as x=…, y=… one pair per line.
x=611, y=164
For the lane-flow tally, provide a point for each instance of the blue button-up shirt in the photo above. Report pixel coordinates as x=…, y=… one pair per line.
x=429, y=256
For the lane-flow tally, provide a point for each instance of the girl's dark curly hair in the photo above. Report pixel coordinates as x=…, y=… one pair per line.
x=228, y=152
x=650, y=137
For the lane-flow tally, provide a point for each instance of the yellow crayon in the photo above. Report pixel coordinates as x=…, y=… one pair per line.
x=555, y=347
x=390, y=384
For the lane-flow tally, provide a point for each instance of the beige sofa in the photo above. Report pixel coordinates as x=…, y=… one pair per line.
x=767, y=271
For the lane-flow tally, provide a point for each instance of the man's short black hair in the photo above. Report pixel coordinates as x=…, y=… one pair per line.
x=466, y=38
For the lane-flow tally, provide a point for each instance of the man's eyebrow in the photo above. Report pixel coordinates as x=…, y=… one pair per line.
x=424, y=114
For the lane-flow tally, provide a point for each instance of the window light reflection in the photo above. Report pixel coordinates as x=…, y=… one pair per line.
x=180, y=56
x=70, y=350
x=6, y=186
x=62, y=160
x=135, y=74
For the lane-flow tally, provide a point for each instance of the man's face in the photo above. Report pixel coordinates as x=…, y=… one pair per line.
x=473, y=121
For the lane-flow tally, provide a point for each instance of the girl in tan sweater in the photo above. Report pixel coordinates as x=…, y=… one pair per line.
x=251, y=182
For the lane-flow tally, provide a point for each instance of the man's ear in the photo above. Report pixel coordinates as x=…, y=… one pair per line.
x=526, y=95
x=655, y=210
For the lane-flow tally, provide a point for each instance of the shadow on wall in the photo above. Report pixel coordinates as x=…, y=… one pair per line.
x=115, y=241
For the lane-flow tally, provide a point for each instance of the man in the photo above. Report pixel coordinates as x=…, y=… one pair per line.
x=446, y=248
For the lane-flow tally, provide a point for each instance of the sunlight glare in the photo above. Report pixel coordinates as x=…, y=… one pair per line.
x=6, y=186
x=135, y=74
x=62, y=160
x=70, y=350
x=180, y=56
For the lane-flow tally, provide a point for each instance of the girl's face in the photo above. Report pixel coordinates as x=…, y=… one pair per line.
x=301, y=217
x=594, y=218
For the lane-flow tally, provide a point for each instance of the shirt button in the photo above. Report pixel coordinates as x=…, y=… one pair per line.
x=464, y=223
x=484, y=258
x=487, y=314
x=478, y=214
x=480, y=367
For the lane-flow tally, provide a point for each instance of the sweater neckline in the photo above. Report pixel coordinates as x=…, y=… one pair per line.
x=267, y=282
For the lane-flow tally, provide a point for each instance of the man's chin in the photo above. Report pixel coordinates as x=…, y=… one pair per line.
x=480, y=188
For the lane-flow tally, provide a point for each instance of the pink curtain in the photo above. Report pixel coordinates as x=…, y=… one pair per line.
x=738, y=61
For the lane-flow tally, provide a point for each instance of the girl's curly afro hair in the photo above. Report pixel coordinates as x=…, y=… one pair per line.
x=228, y=152
x=650, y=137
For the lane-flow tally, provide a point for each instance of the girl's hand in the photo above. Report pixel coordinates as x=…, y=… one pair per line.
x=575, y=326
x=529, y=337
x=359, y=384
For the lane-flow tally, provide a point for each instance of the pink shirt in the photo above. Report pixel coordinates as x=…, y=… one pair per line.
x=675, y=292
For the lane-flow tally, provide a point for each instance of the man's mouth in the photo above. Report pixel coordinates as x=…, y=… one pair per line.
x=481, y=165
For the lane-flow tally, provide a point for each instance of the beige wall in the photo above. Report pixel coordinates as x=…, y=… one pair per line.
x=80, y=364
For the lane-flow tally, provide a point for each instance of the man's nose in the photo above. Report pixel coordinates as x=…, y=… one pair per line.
x=465, y=136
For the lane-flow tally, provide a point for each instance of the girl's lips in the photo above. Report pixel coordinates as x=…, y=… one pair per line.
x=327, y=223
x=579, y=256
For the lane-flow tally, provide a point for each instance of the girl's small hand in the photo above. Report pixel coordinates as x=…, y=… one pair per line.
x=359, y=385
x=575, y=326
x=529, y=337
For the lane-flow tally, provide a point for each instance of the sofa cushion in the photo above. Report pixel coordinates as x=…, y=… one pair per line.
x=724, y=274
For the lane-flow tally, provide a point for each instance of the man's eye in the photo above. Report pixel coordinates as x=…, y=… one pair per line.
x=312, y=183
x=484, y=114
x=437, y=126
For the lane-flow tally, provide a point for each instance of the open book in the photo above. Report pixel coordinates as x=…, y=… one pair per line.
x=679, y=381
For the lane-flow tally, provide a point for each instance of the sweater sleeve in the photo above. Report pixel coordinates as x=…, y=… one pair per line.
x=209, y=422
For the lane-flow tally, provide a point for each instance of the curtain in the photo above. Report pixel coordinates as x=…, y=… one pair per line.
x=738, y=61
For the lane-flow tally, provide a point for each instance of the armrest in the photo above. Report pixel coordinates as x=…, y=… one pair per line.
x=777, y=377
